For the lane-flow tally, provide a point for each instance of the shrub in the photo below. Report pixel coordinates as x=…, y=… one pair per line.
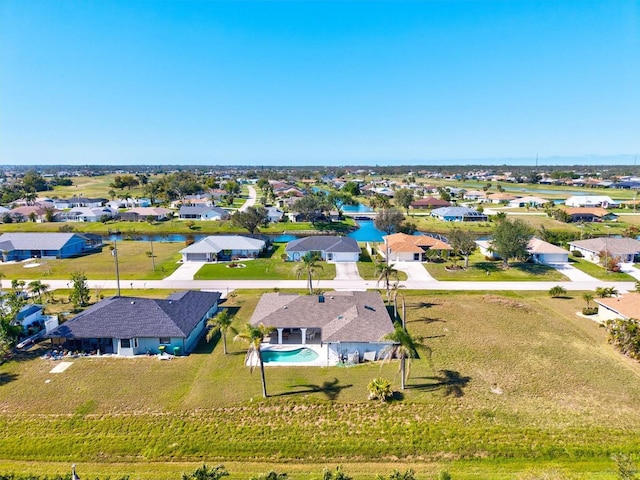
x=624, y=335
x=577, y=253
x=380, y=389
x=557, y=291
x=590, y=310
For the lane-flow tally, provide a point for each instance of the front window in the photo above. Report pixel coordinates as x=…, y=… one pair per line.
x=165, y=340
x=125, y=343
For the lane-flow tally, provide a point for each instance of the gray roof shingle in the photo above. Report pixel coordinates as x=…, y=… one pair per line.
x=324, y=243
x=134, y=317
x=342, y=317
x=37, y=241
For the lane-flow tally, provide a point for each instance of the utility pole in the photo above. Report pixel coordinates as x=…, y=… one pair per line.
x=153, y=260
x=115, y=254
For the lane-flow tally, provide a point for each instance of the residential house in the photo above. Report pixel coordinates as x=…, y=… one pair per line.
x=23, y=246
x=626, y=306
x=86, y=214
x=26, y=213
x=223, y=247
x=326, y=247
x=142, y=214
x=475, y=195
x=429, y=203
x=540, y=251
x=32, y=319
x=400, y=247
x=528, y=202
x=344, y=323
x=274, y=214
x=625, y=249
x=202, y=212
x=603, y=201
x=458, y=214
x=500, y=197
x=129, y=326
x=590, y=214
x=64, y=203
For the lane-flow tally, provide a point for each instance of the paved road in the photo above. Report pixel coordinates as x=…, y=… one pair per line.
x=228, y=285
x=251, y=201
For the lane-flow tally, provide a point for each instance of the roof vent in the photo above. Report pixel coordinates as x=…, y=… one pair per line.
x=368, y=307
x=320, y=298
x=340, y=317
x=285, y=307
x=132, y=302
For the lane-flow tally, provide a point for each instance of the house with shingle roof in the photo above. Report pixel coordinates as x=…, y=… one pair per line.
x=344, y=321
x=540, y=251
x=458, y=214
x=129, y=326
x=223, y=247
x=141, y=214
x=326, y=247
x=202, y=212
x=626, y=306
x=400, y=247
x=23, y=246
x=429, y=203
x=625, y=249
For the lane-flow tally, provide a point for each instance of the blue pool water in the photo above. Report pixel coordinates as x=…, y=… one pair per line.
x=300, y=355
x=367, y=232
x=359, y=208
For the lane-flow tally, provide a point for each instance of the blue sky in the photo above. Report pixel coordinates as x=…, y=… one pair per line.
x=317, y=83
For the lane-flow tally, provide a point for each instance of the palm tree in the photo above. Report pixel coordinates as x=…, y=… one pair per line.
x=394, y=290
x=405, y=347
x=386, y=272
x=588, y=298
x=254, y=336
x=557, y=291
x=220, y=323
x=307, y=266
x=38, y=288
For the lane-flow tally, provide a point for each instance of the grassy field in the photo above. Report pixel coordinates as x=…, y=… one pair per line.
x=599, y=272
x=478, y=268
x=271, y=268
x=134, y=263
x=517, y=383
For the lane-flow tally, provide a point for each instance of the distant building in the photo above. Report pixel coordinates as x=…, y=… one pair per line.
x=23, y=246
x=625, y=249
x=458, y=214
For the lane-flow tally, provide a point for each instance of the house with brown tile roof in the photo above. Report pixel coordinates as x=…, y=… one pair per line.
x=400, y=247
x=590, y=214
x=428, y=203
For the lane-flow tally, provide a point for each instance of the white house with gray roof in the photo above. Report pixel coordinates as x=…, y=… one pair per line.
x=343, y=322
x=129, y=326
x=202, y=212
x=330, y=248
x=625, y=249
x=223, y=247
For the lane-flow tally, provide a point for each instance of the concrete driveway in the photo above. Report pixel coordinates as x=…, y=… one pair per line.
x=186, y=271
x=572, y=273
x=347, y=271
x=415, y=271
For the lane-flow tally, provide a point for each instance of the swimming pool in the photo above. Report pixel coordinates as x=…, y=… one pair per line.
x=299, y=355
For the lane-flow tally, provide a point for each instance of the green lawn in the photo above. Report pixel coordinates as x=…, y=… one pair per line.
x=270, y=268
x=133, y=258
x=599, y=272
x=478, y=268
x=517, y=383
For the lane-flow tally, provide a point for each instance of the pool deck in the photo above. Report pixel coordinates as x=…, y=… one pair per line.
x=326, y=356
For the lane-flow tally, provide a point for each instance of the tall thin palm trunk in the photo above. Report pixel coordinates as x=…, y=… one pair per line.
x=264, y=380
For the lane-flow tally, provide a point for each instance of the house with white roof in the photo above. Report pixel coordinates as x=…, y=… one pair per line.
x=86, y=214
x=223, y=247
x=202, y=212
x=603, y=201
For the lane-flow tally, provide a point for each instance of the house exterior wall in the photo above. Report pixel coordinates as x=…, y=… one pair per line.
x=337, y=257
x=551, y=257
x=342, y=349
